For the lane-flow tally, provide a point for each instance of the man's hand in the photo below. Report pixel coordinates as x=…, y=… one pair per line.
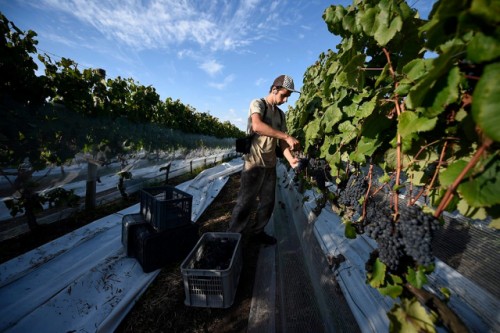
x=293, y=143
x=294, y=162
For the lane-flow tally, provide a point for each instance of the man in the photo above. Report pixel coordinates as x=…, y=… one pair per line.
x=258, y=178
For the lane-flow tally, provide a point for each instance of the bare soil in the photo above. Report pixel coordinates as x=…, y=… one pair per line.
x=161, y=308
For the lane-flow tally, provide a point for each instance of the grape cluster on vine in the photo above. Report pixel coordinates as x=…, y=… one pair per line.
x=385, y=232
x=354, y=190
x=416, y=228
x=406, y=241
x=302, y=165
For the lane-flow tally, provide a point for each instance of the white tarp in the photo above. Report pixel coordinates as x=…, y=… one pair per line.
x=83, y=281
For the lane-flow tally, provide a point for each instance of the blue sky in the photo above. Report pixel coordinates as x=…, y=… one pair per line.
x=213, y=55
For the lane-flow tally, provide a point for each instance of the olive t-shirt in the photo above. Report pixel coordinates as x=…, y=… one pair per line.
x=262, y=151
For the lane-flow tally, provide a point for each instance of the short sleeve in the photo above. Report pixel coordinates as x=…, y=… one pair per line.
x=256, y=106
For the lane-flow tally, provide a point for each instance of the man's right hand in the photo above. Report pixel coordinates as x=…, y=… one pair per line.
x=293, y=143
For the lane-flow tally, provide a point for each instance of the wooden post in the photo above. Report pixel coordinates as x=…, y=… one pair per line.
x=90, y=193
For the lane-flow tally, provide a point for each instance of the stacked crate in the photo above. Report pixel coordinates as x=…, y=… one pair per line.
x=162, y=231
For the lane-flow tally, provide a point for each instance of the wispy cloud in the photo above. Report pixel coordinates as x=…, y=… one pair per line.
x=162, y=24
x=221, y=85
x=212, y=67
x=260, y=82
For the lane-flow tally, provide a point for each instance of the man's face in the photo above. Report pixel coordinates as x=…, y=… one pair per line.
x=282, y=96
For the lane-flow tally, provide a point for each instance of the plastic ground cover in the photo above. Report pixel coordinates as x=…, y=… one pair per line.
x=83, y=281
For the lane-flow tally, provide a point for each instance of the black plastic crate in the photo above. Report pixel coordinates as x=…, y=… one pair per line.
x=128, y=221
x=165, y=207
x=154, y=249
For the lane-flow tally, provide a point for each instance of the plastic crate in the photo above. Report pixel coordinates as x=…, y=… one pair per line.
x=213, y=287
x=165, y=207
x=128, y=221
x=154, y=249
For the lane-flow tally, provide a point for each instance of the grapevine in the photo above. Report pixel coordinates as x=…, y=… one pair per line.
x=426, y=126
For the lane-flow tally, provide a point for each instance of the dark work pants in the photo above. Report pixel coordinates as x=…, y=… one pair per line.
x=257, y=182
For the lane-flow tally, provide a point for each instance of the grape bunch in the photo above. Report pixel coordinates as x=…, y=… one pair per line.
x=416, y=228
x=385, y=232
x=302, y=165
x=353, y=191
x=406, y=241
x=320, y=178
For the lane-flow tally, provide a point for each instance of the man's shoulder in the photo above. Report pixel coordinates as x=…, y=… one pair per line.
x=257, y=105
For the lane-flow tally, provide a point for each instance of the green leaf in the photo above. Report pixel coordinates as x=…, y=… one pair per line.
x=365, y=147
x=386, y=32
x=391, y=290
x=410, y=317
x=483, y=48
x=348, y=131
x=368, y=21
x=448, y=175
x=383, y=75
x=444, y=92
x=486, y=11
x=483, y=190
x=410, y=122
x=366, y=108
x=416, y=278
x=384, y=179
x=424, y=94
x=312, y=131
x=350, y=231
x=446, y=293
x=346, y=127
x=331, y=117
x=351, y=109
x=495, y=223
x=486, y=99
x=417, y=68
x=377, y=276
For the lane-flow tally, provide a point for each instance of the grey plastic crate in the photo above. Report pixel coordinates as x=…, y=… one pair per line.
x=212, y=287
x=165, y=207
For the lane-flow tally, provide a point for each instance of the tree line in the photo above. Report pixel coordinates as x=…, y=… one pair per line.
x=47, y=119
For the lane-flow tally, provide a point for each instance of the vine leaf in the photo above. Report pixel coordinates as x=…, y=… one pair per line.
x=483, y=48
x=376, y=277
x=410, y=317
x=416, y=278
x=376, y=22
x=350, y=231
x=486, y=100
x=483, y=190
x=448, y=175
x=410, y=122
x=366, y=147
x=332, y=116
x=439, y=88
x=393, y=288
x=312, y=131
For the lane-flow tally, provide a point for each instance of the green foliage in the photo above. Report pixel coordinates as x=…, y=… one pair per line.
x=410, y=316
x=357, y=103
x=430, y=124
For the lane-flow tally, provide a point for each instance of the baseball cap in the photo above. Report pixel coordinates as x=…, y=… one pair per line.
x=286, y=82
